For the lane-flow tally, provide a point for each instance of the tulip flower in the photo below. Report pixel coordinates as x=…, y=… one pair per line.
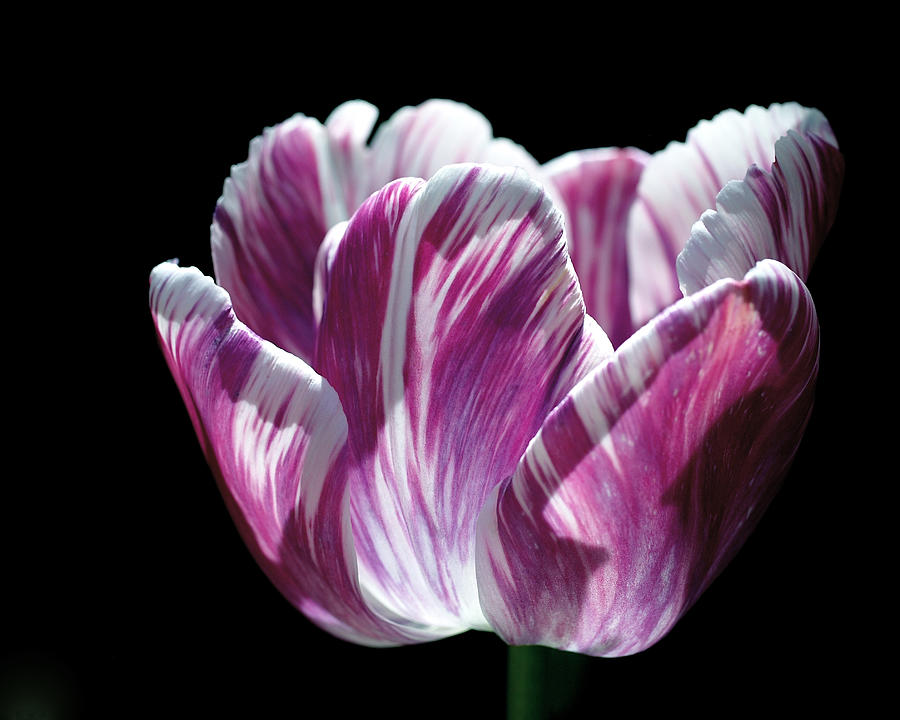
x=442, y=387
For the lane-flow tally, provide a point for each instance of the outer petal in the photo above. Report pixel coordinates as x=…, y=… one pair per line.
x=275, y=436
x=418, y=141
x=682, y=182
x=453, y=324
x=783, y=215
x=648, y=478
x=274, y=212
x=598, y=188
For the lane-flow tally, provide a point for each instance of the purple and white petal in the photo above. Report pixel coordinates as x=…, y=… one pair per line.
x=351, y=123
x=453, y=324
x=597, y=188
x=275, y=436
x=682, y=181
x=647, y=479
x=300, y=179
x=417, y=141
x=783, y=214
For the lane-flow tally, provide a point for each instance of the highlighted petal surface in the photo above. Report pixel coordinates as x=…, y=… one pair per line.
x=452, y=325
x=275, y=436
x=643, y=483
x=681, y=182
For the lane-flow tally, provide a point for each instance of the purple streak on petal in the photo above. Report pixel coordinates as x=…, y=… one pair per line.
x=598, y=188
x=783, y=214
x=647, y=479
x=453, y=324
x=275, y=437
x=682, y=181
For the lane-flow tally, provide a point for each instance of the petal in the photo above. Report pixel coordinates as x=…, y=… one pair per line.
x=351, y=123
x=275, y=210
x=418, y=141
x=275, y=436
x=453, y=324
x=647, y=479
x=783, y=214
x=349, y=127
x=598, y=188
x=682, y=181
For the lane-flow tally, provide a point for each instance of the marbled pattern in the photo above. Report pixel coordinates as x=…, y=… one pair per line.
x=415, y=425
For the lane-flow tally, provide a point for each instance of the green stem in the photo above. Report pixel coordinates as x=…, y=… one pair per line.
x=542, y=683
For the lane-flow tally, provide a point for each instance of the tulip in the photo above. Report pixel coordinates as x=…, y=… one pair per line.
x=423, y=421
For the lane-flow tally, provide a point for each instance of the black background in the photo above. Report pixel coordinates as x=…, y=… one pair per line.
x=129, y=592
